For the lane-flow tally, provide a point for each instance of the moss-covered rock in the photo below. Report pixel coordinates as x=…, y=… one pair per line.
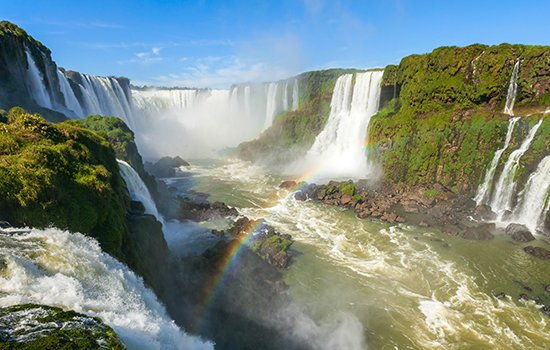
x=121, y=138
x=61, y=175
x=30, y=326
x=443, y=120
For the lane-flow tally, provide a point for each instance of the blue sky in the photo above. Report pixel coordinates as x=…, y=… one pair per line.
x=216, y=43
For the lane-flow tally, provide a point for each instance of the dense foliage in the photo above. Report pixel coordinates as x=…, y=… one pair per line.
x=61, y=175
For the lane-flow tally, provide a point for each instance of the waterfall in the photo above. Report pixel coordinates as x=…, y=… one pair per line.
x=506, y=184
x=137, y=188
x=285, y=96
x=160, y=101
x=71, y=102
x=271, y=105
x=69, y=270
x=295, y=95
x=201, y=122
x=36, y=80
x=339, y=148
x=512, y=91
x=483, y=192
x=247, y=107
x=534, y=199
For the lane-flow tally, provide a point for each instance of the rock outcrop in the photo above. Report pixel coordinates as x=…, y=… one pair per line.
x=31, y=326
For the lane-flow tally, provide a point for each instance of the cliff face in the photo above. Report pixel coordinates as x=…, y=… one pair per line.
x=442, y=117
x=16, y=88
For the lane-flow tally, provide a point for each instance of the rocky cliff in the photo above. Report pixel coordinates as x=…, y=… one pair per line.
x=442, y=120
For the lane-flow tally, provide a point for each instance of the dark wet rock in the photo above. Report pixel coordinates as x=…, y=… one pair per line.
x=538, y=252
x=300, y=196
x=31, y=326
x=451, y=230
x=165, y=167
x=484, y=212
x=288, y=185
x=480, y=233
x=519, y=233
x=136, y=208
x=524, y=296
x=547, y=288
x=204, y=211
x=5, y=224
x=272, y=246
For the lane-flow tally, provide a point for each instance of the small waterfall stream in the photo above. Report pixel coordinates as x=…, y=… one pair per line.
x=484, y=191
x=512, y=91
x=506, y=184
x=36, y=80
x=534, y=199
x=137, y=188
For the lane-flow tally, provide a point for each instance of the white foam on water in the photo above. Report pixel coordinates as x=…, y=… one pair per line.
x=68, y=270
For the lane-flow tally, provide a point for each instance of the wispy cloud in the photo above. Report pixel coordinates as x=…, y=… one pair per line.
x=220, y=72
x=145, y=57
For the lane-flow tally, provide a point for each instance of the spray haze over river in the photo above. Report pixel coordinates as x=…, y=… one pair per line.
x=408, y=287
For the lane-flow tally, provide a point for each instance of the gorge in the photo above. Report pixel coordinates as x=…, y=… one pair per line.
x=397, y=207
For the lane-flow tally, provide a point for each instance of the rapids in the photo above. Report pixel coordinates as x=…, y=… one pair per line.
x=409, y=287
x=70, y=271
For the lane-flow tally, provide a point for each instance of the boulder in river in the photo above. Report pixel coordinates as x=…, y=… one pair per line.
x=288, y=185
x=480, y=232
x=519, y=233
x=538, y=252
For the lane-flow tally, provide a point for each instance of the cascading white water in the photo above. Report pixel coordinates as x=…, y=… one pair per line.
x=338, y=150
x=484, y=191
x=137, y=188
x=36, y=80
x=247, y=108
x=69, y=270
x=506, y=184
x=161, y=101
x=512, y=91
x=295, y=95
x=71, y=102
x=201, y=122
x=534, y=199
x=271, y=105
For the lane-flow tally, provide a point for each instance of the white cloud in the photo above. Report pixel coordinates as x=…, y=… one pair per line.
x=220, y=73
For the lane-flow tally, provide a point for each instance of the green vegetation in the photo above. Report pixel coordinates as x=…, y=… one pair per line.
x=273, y=249
x=121, y=138
x=445, y=124
x=348, y=189
x=62, y=175
x=293, y=132
x=30, y=326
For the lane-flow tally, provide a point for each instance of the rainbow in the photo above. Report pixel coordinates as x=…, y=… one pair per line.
x=214, y=285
